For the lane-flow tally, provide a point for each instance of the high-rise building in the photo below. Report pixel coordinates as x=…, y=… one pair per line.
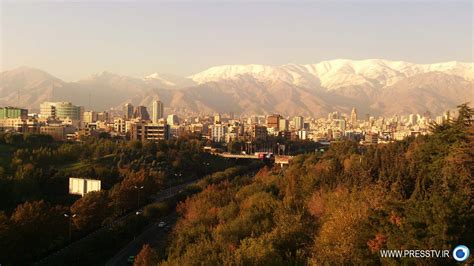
x=149, y=132
x=47, y=110
x=176, y=131
x=252, y=120
x=13, y=112
x=298, y=122
x=157, y=112
x=354, y=117
x=61, y=110
x=172, y=119
x=412, y=119
x=283, y=124
x=273, y=121
x=341, y=124
x=120, y=125
x=302, y=134
x=141, y=113
x=217, y=118
x=103, y=117
x=439, y=119
x=258, y=132
x=128, y=111
x=90, y=117
x=218, y=132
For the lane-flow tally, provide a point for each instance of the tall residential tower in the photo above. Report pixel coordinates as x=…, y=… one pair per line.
x=128, y=111
x=157, y=112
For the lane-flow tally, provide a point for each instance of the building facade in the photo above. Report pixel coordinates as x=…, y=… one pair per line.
x=128, y=111
x=273, y=121
x=157, y=111
x=298, y=122
x=61, y=110
x=141, y=113
x=218, y=132
x=172, y=119
x=13, y=112
x=149, y=132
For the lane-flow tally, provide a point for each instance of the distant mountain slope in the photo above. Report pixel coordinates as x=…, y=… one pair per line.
x=32, y=85
x=434, y=91
x=372, y=86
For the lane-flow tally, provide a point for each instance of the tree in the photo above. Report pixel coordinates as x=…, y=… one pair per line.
x=465, y=114
x=90, y=210
x=5, y=237
x=258, y=251
x=135, y=187
x=147, y=257
x=37, y=227
x=235, y=146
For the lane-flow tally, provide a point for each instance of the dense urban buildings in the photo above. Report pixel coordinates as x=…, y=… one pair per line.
x=66, y=121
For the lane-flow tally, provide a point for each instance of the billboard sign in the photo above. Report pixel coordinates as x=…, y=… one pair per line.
x=81, y=186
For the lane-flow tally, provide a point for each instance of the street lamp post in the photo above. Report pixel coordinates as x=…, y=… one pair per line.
x=70, y=216
x=138, y=195
x=137, y=213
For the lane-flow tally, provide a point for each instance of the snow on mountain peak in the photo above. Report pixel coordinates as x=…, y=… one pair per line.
x=336, y=73
x=157, y=77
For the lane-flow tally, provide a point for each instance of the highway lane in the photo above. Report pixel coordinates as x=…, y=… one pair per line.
x=152, y=235
x=160, y=196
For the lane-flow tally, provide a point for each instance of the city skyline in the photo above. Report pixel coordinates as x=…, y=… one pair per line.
x=179, y=38
x=64, y=120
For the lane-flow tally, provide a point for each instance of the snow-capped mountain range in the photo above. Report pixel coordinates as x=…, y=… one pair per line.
x=335, y=74
x=293, y=89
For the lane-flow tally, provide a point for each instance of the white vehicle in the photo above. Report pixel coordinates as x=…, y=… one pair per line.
x=161, y=224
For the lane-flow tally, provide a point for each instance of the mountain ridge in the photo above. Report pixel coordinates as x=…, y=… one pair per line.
x=335, y=73
x=292, y=89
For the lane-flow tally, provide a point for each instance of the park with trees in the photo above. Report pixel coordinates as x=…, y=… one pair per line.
x=340, y=207
x=38, y=216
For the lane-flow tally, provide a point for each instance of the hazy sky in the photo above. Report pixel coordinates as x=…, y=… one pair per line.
x=73, y=40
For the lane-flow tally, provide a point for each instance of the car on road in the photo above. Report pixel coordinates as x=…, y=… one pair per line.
x=161, y=224
x=131, y=259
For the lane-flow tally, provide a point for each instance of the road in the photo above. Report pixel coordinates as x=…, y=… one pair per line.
x=152, y=235
x=160, y=196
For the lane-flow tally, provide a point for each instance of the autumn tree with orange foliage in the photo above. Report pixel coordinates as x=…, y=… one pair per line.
x=146, y=257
